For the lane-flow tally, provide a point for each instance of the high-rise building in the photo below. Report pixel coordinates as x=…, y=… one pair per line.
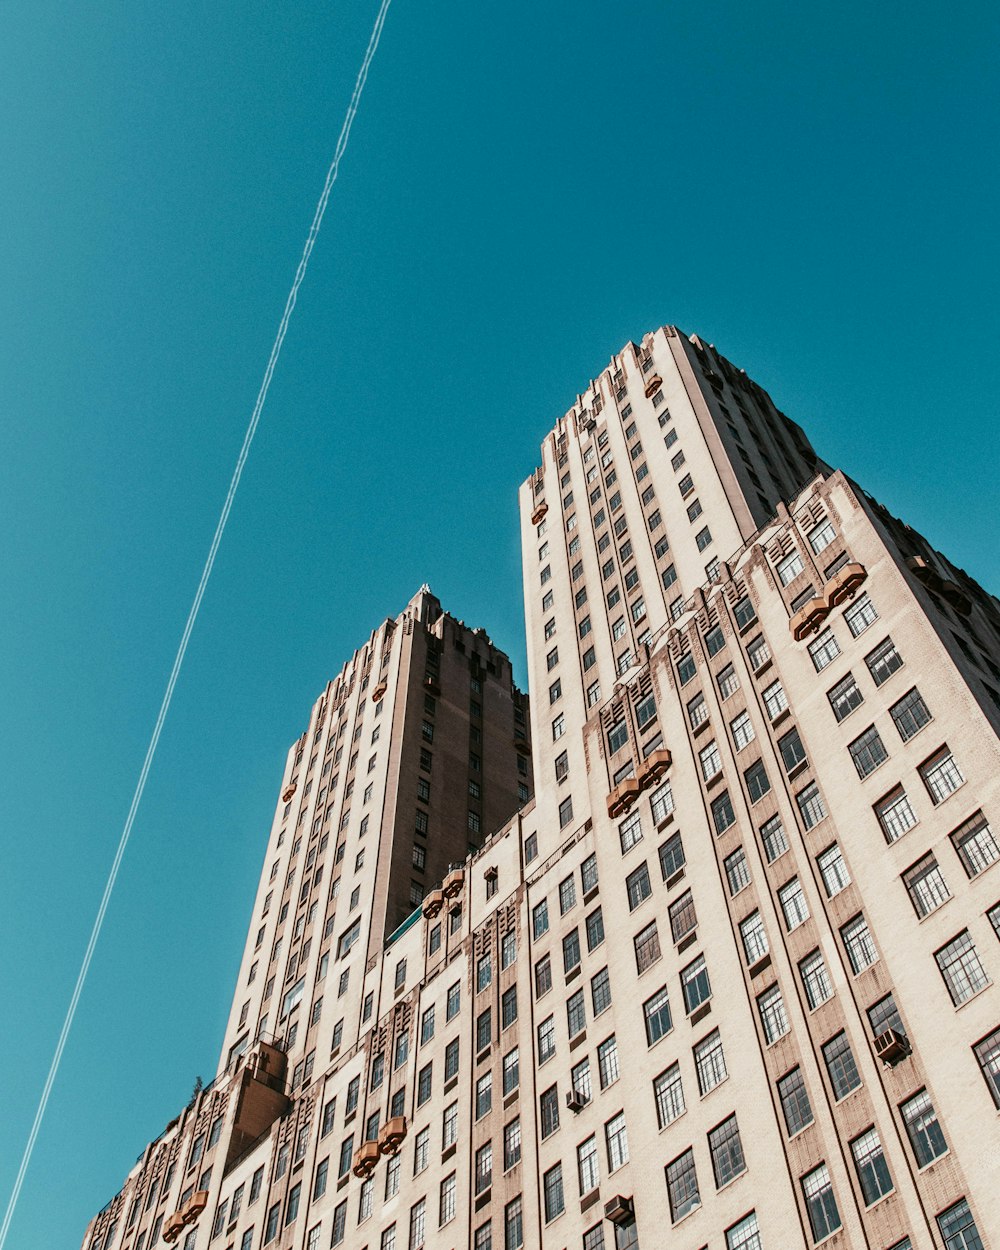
x=727, y=980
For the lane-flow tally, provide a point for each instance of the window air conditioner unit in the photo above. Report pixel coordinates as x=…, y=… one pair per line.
x=892, y=1046
x=619, y=1210
x=575, y=1101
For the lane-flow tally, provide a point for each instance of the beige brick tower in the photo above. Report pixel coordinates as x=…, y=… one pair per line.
x=727, y=980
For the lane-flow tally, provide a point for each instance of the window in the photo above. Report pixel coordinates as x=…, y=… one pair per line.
x=754, y=938
x=860, y=615
x=446, y=1208
x=484, y=1095
x=580, y=1079
x=616, y=1140
x=792, y=751
x=424, y=1084
x=484, y=971
x=844, y=697
x=668, y=1093
x=833, y=870
x=558, y=727
x=647, y=947
x=683, y=919
x=540, y=918
x=858, y=943
x=453, y=1002
x=868, y=752
x=513, y=1232
x=511, y=1144
x=565, y=811
x=824, y=650
x=630, y=832
x=941, y=775
x=728, y=682
x=810, y=804
x=926, y=885
x=511, y=1071
x=484, y=1167
x=883, y=661
x=600, y=991
x=552, y=1190
x=703, y=538
x=607, y=1061
x=817, y=1190
x=895, y=814
x=775, y=699
x=975, y=845
x=742, y=730
x=960, y=967
x=697, y=710
x=682, y=1186
x=588, y=1168
x=449, y=1126
x=662, y=802
x=737, y=871
x=686, y=668
x=427, y=1026
x=884, y=1015
x=711, y=760
x=922, y=1128
x=958, y=1228
x=543, y=976
x=840, y=1066
x=793, y=904
x=744, y=1235
x=771, y=1009
x=418, y=1224
x=292, y=1203
x=727, y=1152
x=695, y=984
x=744, y=613
x=758, y=782
x=549, y=1105
x=656, y=1011
x=794, y=1102
x=594, y=929
x=576, y=1014
x=987, y=1054
x=715, y=640
x=588, y=874
x=722, y=812
x=758, y=653
x=815, y=980
x=790, y=567
x=710, y=1062
x=217, y=1227
x=421, y=1151
x=910, y=714
x=571, y=950
x=546, y=1039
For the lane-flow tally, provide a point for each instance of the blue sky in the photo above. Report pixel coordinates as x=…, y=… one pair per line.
x=812, y=188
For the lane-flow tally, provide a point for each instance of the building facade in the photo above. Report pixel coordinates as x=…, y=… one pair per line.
x=718, y=971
